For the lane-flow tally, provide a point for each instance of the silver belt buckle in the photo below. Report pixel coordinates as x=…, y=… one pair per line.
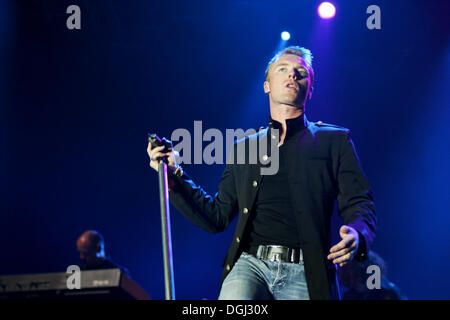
x=291, y=254
x=275, y=256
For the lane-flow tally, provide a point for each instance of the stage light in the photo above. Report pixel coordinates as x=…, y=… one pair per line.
x=285, y=35
x=326, y=10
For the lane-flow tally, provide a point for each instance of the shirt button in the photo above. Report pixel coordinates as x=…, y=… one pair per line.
x=228, y=267
x=265, y=157
x=238, y=240
x=245, y=211
x=255, y=183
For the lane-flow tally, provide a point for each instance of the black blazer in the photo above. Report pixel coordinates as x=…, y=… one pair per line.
x=328, y=170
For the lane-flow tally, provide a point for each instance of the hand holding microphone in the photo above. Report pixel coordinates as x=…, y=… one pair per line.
x=161, y=149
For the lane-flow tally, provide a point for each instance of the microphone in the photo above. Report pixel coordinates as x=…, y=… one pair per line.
x=157, y=142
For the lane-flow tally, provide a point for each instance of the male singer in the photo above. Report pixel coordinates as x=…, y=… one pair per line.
x=281, y=248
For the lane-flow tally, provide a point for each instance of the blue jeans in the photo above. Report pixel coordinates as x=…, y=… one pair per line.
x=256, y=279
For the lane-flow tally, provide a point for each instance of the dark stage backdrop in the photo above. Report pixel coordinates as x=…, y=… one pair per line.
x=76, y=106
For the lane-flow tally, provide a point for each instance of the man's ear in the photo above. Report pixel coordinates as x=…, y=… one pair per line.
x=266, y=87
x=310, y=93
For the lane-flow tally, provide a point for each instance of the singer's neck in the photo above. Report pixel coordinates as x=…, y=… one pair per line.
x=281, y=113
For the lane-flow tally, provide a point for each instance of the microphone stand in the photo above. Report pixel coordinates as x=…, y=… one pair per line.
x=169, y=283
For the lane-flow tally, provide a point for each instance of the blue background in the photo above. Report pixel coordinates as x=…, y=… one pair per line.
x=76, y=106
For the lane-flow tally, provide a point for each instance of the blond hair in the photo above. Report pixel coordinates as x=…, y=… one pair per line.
x=304, y=53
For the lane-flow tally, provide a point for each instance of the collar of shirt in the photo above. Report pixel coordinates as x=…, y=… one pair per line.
x=293, y=125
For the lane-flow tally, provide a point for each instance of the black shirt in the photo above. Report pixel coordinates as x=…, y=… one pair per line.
x=273, y=221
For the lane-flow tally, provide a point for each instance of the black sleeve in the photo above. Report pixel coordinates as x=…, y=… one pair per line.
x=355, y=197
x=212, y=213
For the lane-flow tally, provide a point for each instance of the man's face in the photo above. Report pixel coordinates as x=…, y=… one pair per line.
x=289, y=81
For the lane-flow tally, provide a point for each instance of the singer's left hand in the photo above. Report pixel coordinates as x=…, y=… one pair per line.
x=345, y=250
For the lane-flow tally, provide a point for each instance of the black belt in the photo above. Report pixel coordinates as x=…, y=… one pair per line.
x=277, y=253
